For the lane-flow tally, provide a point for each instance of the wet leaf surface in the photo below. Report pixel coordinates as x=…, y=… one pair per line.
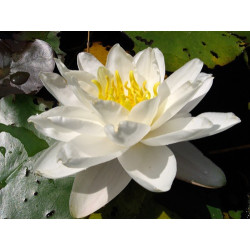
x=20, y=65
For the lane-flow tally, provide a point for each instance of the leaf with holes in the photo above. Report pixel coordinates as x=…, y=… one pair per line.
x=20, y=65
x=24, y=194
x=213, y=48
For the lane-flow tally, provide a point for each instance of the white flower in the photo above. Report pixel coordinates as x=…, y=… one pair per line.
x=114, y=123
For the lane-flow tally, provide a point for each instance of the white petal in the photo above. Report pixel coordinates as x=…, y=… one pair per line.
x=95, y=187
x=88, y=63
x=84, y=80
x=137, y=56
x=177, y=130
x=85, y=151
x=163, y=91
x=174, y=103
x=147, y=66
x=49, y=166
x=85, y=98
x=61, y=67
x=58, y=87
x=118, y=59
x=221, y=122
x=194, y=167
x=145, y=111
x=161, y=62
x=65, y=123
x=127, y=133
x=111, y=112
x=186, y=73
x=154, y=168
x=207, y=80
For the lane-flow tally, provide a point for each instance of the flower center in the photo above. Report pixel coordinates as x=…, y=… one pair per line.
x=127, y=94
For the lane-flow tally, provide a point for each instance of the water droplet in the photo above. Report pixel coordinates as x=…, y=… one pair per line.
x=38, y=182
x=19, y=77
x=25, y=200
x=50, y=213
x=36, y=193
x=27, y=172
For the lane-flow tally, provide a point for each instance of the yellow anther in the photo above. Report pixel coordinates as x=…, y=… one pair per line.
x=155, y=89
x=128, y=95
x=98, y=85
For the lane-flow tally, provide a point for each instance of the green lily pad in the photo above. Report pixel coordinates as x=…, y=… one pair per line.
x=215, y=212
x=24, y=194
x=235, y=214
x=14, y=112
x=213, y=48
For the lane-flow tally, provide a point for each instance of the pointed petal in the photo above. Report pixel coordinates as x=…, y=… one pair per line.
x=49, y=166
x=58, y=87
x=207, y=81
x=194, y=167
x=128, y=133
x=147, y=66
x=85, y=151
x=119, y=60
x=111, y=112
x=174, y=103
x=95, y=187
x=87, y=62
x=161, y=62
x=145, y=111
x=221, y=122
x=177, y=130
x=186, y=73
x=154, y=168
x=61, y=67
x=64, y=123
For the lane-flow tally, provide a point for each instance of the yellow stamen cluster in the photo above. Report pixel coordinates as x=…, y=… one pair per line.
x=128, y=95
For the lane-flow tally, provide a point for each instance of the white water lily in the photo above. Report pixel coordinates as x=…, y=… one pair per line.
x=114, y=123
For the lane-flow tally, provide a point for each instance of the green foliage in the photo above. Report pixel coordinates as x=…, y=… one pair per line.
x=213, y=48
x=215, y=212
x=54, y=41
x=235, y=214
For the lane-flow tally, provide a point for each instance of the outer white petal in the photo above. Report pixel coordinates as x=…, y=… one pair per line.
x=221, y=122
x=186, y=73
x=58, y=87
x=61, y=67
x=147, y=66
x=145, y=111
x=85, y=151
x=118, y=59
x=49, y=166
x=127, y=133
x=177, y=130
x=64, y=123
x=95, y=187
x=88, y=63
x=111, y=112
x=163, y=91
x=154, y=168
x=174, y=103
x=207, y=80
x=194, y=167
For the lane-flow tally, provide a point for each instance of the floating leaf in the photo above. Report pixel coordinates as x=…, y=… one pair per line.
x=20, y=64
x=54, y=41
x=14, y=112
x=235, y=214
x=215, y=212
x=213, y=48
x=24, y=194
